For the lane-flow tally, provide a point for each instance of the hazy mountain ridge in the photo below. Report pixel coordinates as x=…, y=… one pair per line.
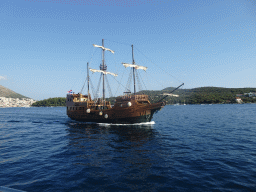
x=8, y=93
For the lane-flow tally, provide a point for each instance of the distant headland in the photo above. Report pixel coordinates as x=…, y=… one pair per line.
x=9, y=98
x=8, y=93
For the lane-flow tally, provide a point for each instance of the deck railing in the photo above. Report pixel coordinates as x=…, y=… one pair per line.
x=136, y=97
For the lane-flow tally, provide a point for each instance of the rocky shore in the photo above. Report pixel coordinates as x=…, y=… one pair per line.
x=16, y=102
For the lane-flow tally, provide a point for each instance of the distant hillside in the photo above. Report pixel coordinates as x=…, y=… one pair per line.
x=202, y=95
x=51, y=102
x=219, y=95
x=5, y=92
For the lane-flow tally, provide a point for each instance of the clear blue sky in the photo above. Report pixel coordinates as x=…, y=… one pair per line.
x=45, y=44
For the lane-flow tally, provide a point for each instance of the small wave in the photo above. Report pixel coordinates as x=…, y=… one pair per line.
x=13, y=121
x=80, y=123
x=134, y=124
x=37, y=122
x=7, y=189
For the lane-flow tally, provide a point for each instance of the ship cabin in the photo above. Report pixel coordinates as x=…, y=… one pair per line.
x=78, y=98
x=83, y=102
x=130, y=99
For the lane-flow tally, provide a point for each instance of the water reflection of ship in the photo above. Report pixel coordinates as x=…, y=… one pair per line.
x=133, y=133
x=116, y=154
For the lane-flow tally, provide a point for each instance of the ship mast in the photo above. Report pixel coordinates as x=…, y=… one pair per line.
x=88, y=79
x=134, y=83
x=103, y=69
x=135, y=67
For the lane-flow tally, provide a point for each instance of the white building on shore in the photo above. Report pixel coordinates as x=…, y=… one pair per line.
x=239, y=100
x=16, y=102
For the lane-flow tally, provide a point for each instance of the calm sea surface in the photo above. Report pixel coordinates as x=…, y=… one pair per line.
x=189, y=148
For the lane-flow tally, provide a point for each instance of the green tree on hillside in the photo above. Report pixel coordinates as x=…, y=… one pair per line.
x=57, y=101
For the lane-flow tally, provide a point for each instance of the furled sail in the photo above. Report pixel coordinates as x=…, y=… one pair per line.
x=104, y=72
x=104, y=48
x=135, y=66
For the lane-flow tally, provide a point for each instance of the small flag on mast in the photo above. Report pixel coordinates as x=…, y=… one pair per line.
x=70, y=91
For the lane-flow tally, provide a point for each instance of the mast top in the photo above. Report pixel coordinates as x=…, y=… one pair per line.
x=104, y=48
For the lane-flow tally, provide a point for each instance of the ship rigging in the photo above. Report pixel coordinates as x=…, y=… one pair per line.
x=128, y=108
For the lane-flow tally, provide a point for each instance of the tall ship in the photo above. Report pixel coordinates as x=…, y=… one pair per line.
x=128, y=108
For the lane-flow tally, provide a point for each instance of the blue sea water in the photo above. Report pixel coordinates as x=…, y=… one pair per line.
x=189, y=148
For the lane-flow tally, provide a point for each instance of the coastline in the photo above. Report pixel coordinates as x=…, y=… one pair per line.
x=15, y=102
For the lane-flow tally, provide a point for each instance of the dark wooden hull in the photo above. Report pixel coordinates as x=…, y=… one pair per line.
x=116, y=115
x=128, y=120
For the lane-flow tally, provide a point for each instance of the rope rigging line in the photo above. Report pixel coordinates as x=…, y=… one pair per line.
x=83, y=85
x=93, y=90
x=93, y=52
x=158, y=66
x=118, y=42
x=98, y=87
x=138, y=76
x=128, y=85
x=143, y=81
x=92, y=55
x=109, y=89
x=87, y=76
x=117, y=68
x=118, y=84
x=138, y=80
x=151, y=77
x=150, y=98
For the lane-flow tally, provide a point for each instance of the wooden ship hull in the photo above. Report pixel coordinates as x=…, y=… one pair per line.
x=127, y=109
